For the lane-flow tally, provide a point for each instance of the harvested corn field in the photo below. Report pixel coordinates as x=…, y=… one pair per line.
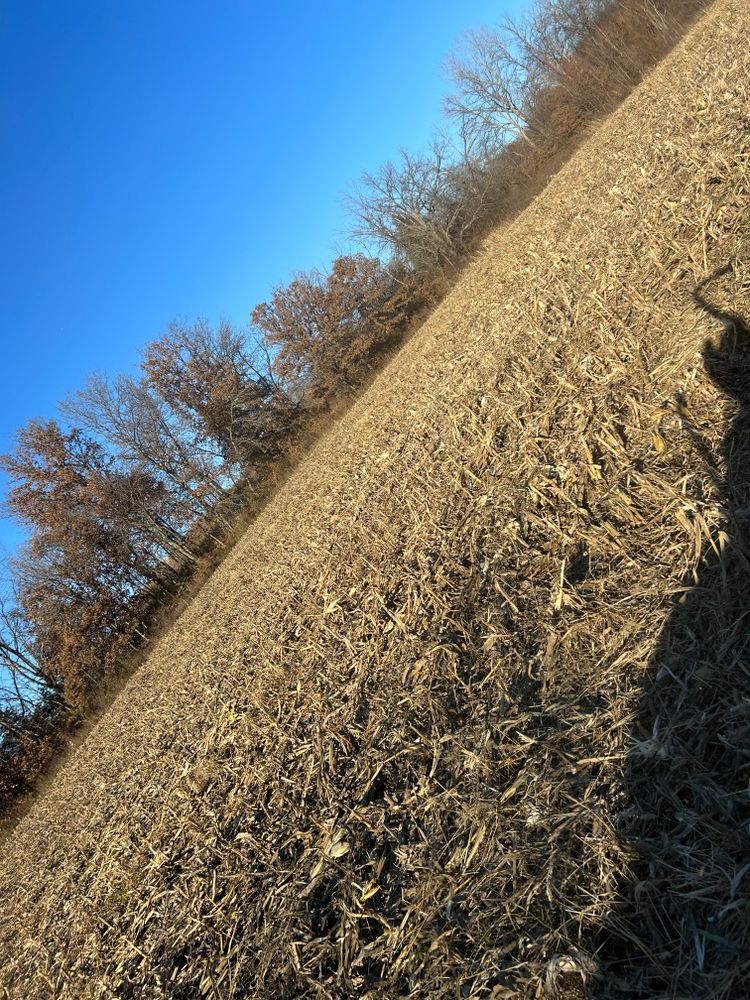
x=466, y=712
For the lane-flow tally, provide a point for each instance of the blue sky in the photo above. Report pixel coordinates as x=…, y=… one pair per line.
x=164, y=158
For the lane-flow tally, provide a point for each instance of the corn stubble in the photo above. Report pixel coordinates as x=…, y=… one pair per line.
x=465, y=713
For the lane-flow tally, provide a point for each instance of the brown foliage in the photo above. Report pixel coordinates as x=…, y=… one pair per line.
x=214, y=382
x=93, y=548
x=325, y=330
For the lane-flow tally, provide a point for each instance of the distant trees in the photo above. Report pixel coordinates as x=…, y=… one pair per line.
x=426, y=209
x=423, y=210
x=494, y=89
x=226, y=394
x=521, y=90
x=537, y=78
x=324, y=330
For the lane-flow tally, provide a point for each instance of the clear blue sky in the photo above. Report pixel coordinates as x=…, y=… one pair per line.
x=162, y=158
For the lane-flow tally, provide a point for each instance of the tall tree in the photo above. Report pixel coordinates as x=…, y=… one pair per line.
x=216, y=384
x=423, y=209
x=64, y=484
x=147, y=433
x=324, y=329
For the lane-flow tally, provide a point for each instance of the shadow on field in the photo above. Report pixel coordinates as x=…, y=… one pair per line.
x=681, y=926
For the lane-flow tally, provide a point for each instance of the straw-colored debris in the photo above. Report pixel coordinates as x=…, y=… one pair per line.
x=467, y=711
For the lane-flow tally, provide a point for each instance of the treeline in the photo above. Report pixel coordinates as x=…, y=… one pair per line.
x=141, y=478
x=522, y=94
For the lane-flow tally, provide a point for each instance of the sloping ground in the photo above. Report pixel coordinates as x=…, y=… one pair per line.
x=467, y=711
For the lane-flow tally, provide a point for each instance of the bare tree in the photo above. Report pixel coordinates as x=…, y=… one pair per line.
x=552, y=30
x=145, y=432
x=501, y=73
x=493, y=97
x=422, y=209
